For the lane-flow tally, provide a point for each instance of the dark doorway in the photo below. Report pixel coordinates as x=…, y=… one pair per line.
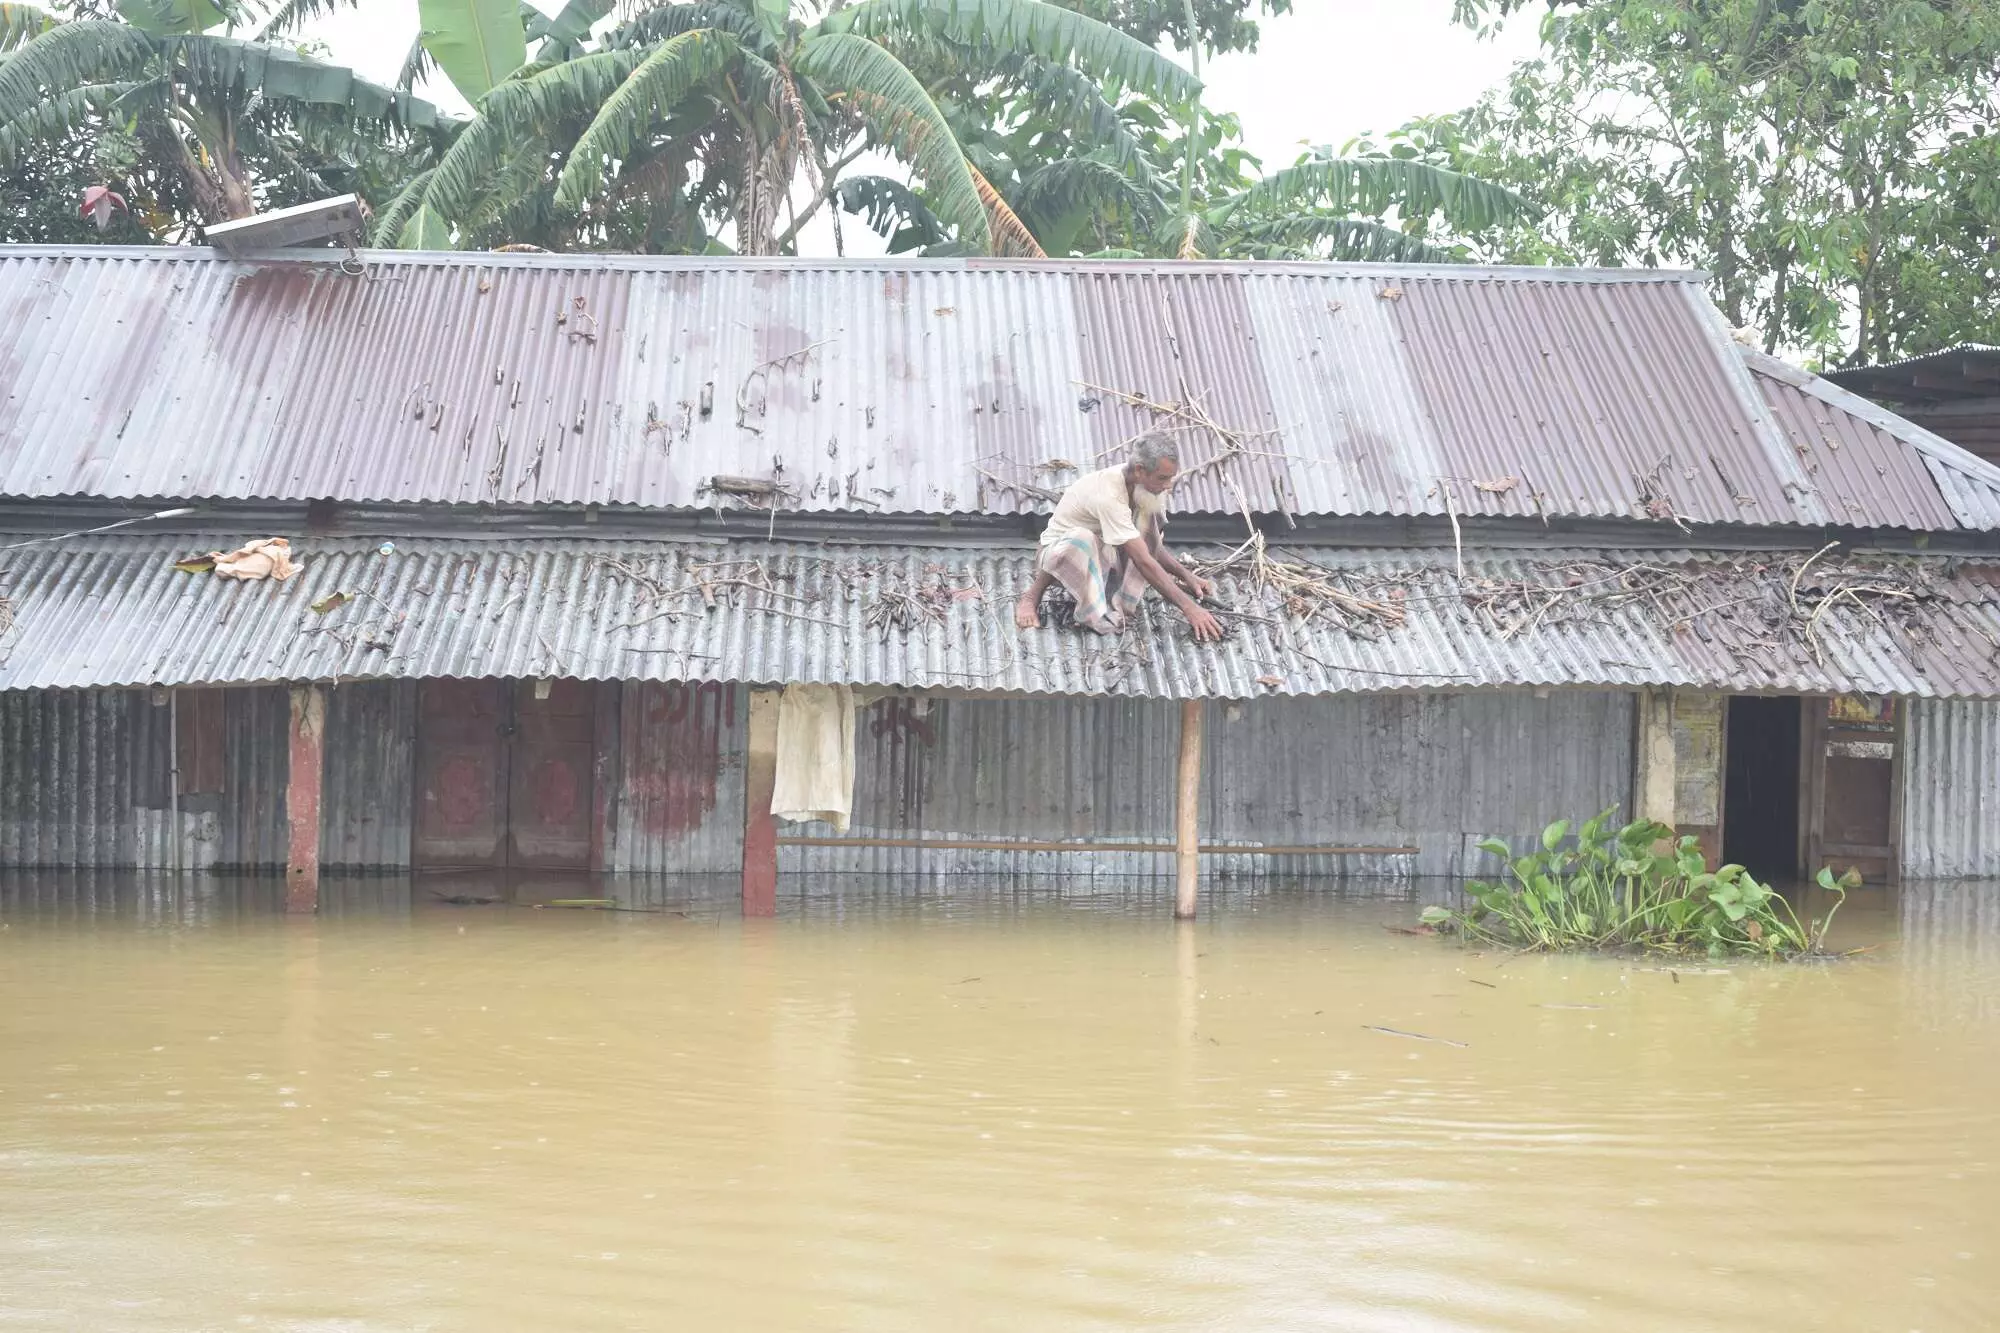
x=1760, y=820
x=504, y=774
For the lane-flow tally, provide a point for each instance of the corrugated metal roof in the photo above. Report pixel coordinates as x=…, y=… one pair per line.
x=1960, y=371
x=1850, y=446
x=895, y=385
x=112, y=611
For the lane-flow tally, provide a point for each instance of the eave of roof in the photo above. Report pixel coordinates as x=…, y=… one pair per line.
x=112, y=611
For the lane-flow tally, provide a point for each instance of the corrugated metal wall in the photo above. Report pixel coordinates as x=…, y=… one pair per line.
x=678, y=807
x=250, y=830
x=1951, y=789
x=367, y=799
x=83, y=779
x=84, y=783
x=1437, y=772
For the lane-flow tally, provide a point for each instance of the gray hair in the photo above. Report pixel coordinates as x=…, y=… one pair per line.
x=1154, y=448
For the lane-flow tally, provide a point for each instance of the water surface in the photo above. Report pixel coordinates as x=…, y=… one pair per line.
x=895, y=1108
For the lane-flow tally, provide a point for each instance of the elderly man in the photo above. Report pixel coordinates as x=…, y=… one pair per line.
x=1103, y=543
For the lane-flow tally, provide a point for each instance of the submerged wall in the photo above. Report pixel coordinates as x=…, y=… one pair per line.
x=85, y=779
x=1431, y=772
x=1951, y=789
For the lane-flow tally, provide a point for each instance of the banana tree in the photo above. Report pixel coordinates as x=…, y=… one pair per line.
x=198, y=104
x=719, y=111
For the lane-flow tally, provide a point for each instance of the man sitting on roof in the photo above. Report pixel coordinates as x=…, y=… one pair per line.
x=1103, y=543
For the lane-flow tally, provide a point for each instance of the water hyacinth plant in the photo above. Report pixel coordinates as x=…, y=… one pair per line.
x=1612, y=889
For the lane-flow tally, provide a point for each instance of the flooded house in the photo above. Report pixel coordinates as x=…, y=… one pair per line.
x=565, y=533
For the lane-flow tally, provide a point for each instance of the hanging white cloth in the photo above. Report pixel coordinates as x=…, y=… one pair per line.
x=815, y=777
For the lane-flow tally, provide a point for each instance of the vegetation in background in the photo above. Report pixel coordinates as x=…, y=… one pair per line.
x=1611, y=889
x=1833, y=164
x=188, y=122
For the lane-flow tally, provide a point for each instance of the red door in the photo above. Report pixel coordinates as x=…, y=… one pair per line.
x=503, y=778
x=550, y=792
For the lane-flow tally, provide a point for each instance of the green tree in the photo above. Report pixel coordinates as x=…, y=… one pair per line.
x=692, y=116
x=198, y=121
x=1830, y=163
x=1087, y=169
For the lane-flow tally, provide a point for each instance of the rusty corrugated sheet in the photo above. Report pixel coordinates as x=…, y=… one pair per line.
x=1852, y=448
x=367, y=796
x=249, y=830
x=85, y=783
x=112, y=611
x=83, y=780
x=1951, y=774
x=1593, y=396
x=881, y=386
x=679, y=802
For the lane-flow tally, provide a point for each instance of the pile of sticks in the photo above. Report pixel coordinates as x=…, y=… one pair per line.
x=1774, y=601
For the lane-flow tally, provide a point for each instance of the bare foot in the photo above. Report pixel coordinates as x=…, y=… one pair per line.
x=1028, y=613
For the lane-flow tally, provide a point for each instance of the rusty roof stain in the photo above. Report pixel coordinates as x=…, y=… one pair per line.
x=898, y=386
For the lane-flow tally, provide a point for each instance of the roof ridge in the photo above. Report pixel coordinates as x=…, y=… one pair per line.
x=607, y=260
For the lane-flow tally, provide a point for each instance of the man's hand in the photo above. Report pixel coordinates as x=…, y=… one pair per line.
x=1207, y=629
x=1199, y=588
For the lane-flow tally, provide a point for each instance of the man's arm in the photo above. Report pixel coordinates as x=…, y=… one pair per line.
x=1197, y=587
x=1206, y=627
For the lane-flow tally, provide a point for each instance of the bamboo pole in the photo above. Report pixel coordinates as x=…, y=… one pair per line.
x=1187, y=823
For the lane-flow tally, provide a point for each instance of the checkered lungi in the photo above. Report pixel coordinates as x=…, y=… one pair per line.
x=1107, y=584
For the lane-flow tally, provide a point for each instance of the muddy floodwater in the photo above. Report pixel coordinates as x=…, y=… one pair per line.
x=897, y=1108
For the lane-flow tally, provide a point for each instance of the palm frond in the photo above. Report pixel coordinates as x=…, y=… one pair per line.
x=895, y=106
x=425, y=229
x=416, y=64
x=1074, y=185
x=22, y=23
x=70, y=54
x=56, y=116
x=1068, y=97
x=659, y=82
x=1373, y=185
x=1027, y=26
x=1323, y=236
x=468, y=167
x=291, y=15
x=1011, y=236
x=564, y=35
x=231, y=65
x=892, y=211
x=388, y=229
x=672, y=20
x=541, y=95
x=1192, y=240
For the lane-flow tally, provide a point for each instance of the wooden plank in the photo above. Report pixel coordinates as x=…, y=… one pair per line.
x=1187, y=814
x=760, y=829
x=304, y=777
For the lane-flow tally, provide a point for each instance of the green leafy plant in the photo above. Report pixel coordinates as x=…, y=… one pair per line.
x=1635, y=887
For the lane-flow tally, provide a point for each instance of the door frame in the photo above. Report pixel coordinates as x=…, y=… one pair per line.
x=1817, y=730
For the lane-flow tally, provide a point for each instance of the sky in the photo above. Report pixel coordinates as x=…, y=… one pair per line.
x=1331, y=71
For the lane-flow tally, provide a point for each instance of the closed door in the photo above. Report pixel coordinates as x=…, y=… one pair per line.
x=504, y=777
x=550, y=790
x=462, y=728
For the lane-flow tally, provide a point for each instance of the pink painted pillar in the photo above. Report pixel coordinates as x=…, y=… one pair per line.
x=302, y=797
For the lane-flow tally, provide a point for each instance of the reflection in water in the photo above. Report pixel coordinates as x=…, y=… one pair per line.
x=1009, y=1106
